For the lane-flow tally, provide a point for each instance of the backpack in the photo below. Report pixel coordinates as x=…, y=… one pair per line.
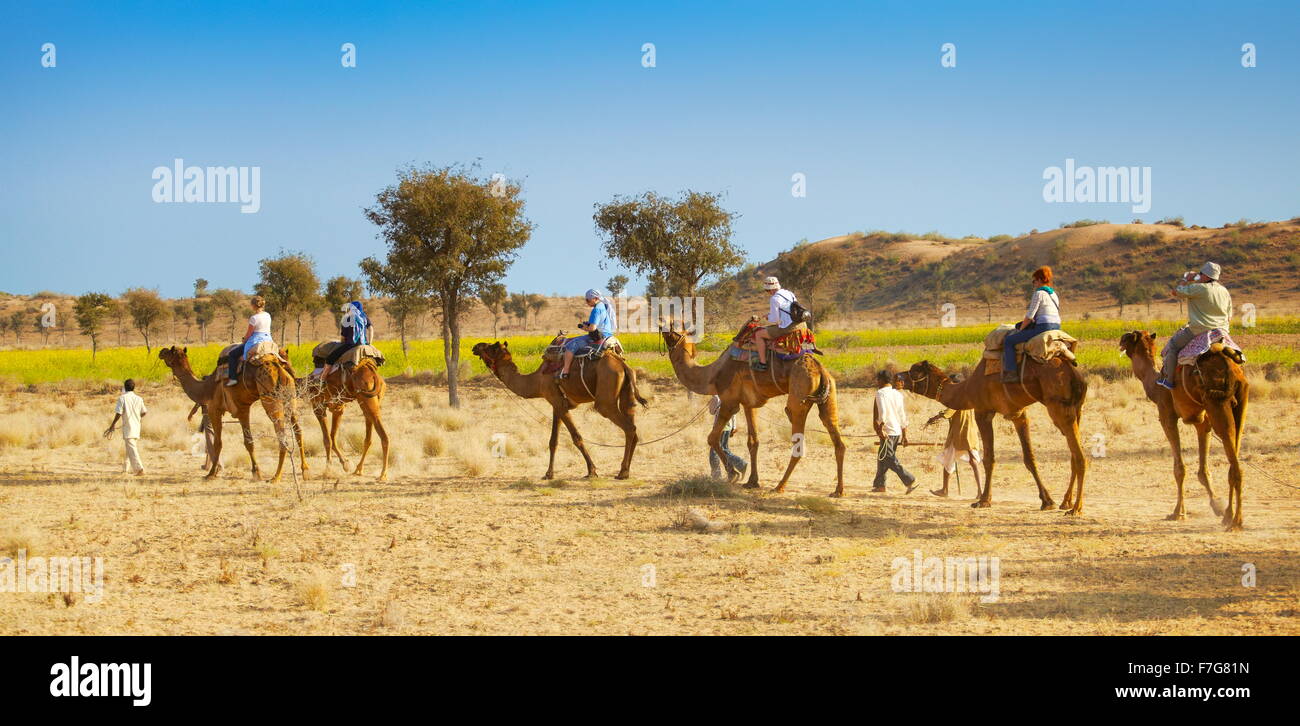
x=799, y=313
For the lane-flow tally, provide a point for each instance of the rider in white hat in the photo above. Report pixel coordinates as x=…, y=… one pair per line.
x=778, y=316
x=1209, y=307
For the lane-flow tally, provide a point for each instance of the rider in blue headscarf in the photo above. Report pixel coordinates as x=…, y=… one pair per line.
x=354, y=330
x=602, y=323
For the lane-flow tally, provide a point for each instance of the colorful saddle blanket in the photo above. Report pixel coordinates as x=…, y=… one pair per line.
x=351, y=358
x=1200, y=345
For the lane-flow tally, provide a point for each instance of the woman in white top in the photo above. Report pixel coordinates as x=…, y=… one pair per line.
x=1044, y=314
x=259, y=330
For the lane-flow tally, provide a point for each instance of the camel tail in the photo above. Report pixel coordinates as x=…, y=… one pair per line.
x=823, y=387
x=373, y=390
x=629, y=383
x=1239, y=408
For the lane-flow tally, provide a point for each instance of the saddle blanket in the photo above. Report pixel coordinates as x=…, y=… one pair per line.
x=351, y=358
x=1201, y=345
x=1042, y=347
x=266, y=347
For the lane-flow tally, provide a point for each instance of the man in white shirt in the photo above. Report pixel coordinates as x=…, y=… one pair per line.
x=129, y=410
x=778, y=315
x=715, y=464
x=890, y=419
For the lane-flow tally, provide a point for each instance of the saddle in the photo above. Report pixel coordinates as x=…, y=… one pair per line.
x=348, y=360
x=553, y=354
x=255, y=357
x=1211, y=341
x=790, y=346
x=1041, y=348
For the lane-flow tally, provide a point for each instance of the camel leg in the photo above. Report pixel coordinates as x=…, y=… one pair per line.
x=577, y=441
x=246, y=425
x=296, y=429
x=215, y=421
x=984, y=421
x=336, y=420
x=797, y=412
x=1169, y=423
x=365, y=446
x=751, y=440
x=1203, y=464
x=829, y=414
x=319, y=413
x=1027, y=454
x=1224, y=420
x=1068, y=423
x=624, y=421
x=370, y=407
x=555, y=438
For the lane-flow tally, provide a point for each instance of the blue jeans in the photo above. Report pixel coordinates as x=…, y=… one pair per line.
x=715, y=464
x=1016, y=337
x=887, y=461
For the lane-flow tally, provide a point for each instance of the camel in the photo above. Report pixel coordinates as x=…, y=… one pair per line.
x=804, y=382
x=1215, y=400
x=268, y=379
x=362, y=384
x=1056, y=383
x=608, y=382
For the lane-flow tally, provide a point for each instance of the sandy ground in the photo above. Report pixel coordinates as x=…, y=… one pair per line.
x=459, y=541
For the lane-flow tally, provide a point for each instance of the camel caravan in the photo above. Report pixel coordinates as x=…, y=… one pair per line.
x=1197, y=379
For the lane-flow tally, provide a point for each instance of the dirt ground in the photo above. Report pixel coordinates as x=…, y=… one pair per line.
x=461, y=541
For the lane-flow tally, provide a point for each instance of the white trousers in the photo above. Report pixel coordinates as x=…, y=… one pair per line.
x=133, y=464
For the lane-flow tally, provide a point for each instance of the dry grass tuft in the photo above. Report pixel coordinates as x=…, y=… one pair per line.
x=699, y=486
x=20, y=538
x=313, y=591
x=930, y=608
x=741, y=542
x=817, y=505
x=433, y=445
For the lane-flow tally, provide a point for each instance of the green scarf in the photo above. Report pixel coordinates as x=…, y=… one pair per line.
x=1049, y=290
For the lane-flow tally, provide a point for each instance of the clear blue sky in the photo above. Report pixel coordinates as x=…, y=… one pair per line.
x=743, y=96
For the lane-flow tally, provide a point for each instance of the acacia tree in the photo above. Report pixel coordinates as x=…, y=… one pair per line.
x=91, y=310
x=676, y=243
x=493, y=298
x=204, y=313
x=616, y=285
x=339, y=291
x=148, y=312
x=536, y=303
x=988, y=295
x=181, y=313
x=454, y=232
x=232, y=303
x=517, y=306
x=290, y=286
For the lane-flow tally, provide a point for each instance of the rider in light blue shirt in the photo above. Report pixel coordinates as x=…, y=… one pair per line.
x=601, y=321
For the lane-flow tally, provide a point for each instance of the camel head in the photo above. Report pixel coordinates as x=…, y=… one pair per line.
x=1138, y=340
x=924, y=379
x=492, y=354
x=175, y=357
x=674, y=339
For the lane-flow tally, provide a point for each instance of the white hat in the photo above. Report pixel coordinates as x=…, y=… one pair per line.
x=771, y=283
x=1211, y=270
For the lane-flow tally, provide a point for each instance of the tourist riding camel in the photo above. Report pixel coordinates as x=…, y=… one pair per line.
x=259, y=331
x=600, y=325
x=1044, y=314
x=1209, y=313
x=782, y=323
x=354, y=329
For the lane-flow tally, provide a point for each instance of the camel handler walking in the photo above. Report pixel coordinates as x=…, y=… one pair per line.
x=959, y=446
x=1209, y=307
x=129, y=410
x=778, y=315
x=890, y=421
x=715, y=464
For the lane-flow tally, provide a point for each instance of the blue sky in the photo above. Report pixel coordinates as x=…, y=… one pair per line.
x=743, y=96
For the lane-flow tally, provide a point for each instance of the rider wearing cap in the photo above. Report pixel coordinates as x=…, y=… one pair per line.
x=1209, y=307
x=778, y=316
x=601, y=321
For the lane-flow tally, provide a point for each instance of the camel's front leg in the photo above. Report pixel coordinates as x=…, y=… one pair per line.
x=1203, y=465
x=370, y=407
x=828, y=412
x=1224, y=424
x=319, y=413
x=751, y=440
x=336, y=420
x=1170, y=424
x=246, y=425
x=555, y=438
x=365, y=445
x=984, y=422
x=725, y=411
x=1069, y=426
x=797, y=412
x=1027, y=454
x=577, y=441
x=215, y=422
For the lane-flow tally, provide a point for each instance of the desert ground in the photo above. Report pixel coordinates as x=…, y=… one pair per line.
x=460, y=541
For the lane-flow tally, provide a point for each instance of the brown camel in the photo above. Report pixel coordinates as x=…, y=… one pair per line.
x=1056, y=383
x=804, y=382
x=362, y=384
x=1213, y=400
x=608, y=382
x=266, y=378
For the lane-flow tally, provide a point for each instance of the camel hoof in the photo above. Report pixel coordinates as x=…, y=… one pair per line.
x=1049, y=504
x=623, y=475
x=982, y=504
x=1217, y=505
x=750, y=485
x=1234, y=527
x=1074, y=512
x=547, y=476
x=780, y=488
x=382, y=477
x=837, y=494
x=1176, y=517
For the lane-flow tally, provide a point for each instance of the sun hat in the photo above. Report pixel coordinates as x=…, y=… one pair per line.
x=1211, y=270
x=771, y=283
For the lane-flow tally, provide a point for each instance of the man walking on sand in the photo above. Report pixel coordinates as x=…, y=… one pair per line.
x=129, y=410
x=890, y=419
